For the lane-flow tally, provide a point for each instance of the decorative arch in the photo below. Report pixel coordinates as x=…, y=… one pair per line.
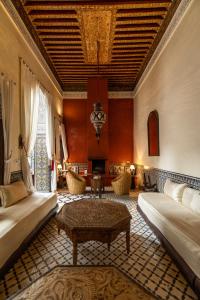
x=153, y=133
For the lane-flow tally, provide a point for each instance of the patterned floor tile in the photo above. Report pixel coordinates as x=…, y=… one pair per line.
x=148, y=263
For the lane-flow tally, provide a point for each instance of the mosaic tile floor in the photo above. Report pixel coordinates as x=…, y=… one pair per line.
x=148, y=264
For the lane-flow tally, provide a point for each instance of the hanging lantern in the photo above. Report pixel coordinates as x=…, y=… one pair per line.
x=98, y=118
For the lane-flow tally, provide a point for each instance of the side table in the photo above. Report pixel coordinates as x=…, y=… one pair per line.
x=97, y=185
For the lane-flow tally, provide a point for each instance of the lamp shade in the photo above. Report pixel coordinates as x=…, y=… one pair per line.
x=98, y=118
x=59, y=167
x=132, y=167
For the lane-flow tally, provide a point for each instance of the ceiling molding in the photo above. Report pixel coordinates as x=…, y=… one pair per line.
x=83, y=95
x=176, y=20
x=21, y=28
x=74, y=95
x=120, y=95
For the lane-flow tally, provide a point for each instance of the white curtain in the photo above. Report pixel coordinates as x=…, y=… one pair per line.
x=7, y=100
x=64, y=141
x=30, y=93
x=57, y=140
x=50, y=138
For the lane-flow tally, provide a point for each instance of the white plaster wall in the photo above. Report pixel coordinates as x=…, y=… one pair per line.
x=13, y=46
x=173, y=89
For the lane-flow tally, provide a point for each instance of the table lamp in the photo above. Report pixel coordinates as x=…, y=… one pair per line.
x=132, y=168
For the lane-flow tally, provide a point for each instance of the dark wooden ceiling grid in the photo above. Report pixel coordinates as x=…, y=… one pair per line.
x=138, y=26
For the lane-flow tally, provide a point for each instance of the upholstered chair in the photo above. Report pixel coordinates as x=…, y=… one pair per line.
x=76, y=183
x=121, y=184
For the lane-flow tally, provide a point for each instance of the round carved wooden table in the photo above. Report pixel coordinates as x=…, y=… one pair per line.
x=94, y=219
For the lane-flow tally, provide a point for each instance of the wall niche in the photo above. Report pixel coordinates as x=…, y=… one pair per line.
x=153, y=133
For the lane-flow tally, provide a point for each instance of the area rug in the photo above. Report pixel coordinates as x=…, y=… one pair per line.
x=148, y=264
x=84, y=283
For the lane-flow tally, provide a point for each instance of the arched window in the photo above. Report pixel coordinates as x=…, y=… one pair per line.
x=153, y=133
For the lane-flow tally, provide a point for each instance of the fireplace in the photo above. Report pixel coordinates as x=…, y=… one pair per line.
x=98, y=166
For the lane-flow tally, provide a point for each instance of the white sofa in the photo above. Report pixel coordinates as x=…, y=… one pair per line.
x=177, y=225
x=18, y=221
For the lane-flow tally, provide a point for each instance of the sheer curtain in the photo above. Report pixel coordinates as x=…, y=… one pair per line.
x=50, y=138
x=7, y=98
x=64, y=141
x=30, y=93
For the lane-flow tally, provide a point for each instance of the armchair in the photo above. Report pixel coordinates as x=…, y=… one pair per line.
x=76, y=183
x=121, y=184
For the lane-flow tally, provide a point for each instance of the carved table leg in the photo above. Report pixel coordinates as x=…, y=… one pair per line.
x=108, y=246
x=75, y=252
x=128, y=241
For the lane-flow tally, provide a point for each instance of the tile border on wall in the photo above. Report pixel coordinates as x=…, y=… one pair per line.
x=159, y=176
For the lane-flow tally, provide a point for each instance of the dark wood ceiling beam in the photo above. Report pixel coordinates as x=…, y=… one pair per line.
x=68, y=48
x=59, y=31
x=133, y=19
x=136, y=26
x=66, y=58
x=145, y=10
x=107, y=67
x=40, y=12
x=77, y=72
x=59, y=34
x=61, y=40
x=64, y=3
x=62, y=44
x=127, y=59
x=136, y=32
x=130, y=44
x=128, y=49
x=43, y=15
x=76, y=63
x=55, y=21
x=128, y=54
x=89, y=75
x=58, y=28
x=132, y=38
x=66, y=52
x=73, y=59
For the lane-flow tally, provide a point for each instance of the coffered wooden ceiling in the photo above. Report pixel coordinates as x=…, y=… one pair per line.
x=67, y=32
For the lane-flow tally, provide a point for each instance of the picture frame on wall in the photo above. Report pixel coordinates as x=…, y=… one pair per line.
x=74, y=169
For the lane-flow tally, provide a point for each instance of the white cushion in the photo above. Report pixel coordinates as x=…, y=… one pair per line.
x=18, y=220
x=179, y=225
x=174, y=190
x=195, y=204
x=12, y=193
x=188, y=194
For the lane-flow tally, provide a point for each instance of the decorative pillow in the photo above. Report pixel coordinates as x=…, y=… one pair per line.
x=174, y=190
x=195, y=204
x=188, y=194
x=12, y=193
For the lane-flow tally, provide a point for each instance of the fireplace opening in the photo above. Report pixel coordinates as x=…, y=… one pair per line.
x=98, y=166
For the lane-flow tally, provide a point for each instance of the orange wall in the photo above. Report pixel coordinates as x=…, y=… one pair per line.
x=74, y=116
x=120, y=130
